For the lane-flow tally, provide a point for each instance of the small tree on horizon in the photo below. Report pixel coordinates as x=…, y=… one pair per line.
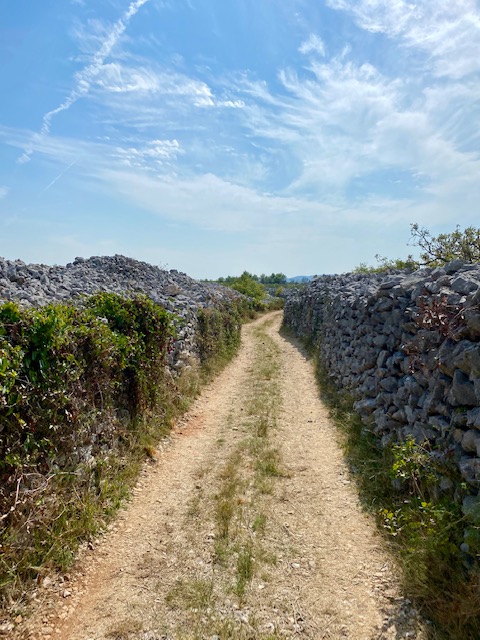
x=437, y=251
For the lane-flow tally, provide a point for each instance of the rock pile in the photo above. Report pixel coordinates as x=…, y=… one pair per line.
x=407, y=344
x=38, y=284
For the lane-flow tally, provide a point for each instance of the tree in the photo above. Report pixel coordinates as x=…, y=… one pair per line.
x=247, y=285
x=384, y=264
x=275, y=278
x=463, y=245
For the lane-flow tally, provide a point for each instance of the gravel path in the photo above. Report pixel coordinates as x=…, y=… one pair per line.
x=154, y=575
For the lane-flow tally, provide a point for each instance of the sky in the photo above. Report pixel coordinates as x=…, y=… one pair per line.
x=214, y=136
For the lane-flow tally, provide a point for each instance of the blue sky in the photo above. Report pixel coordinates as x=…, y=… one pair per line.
x=211, y=137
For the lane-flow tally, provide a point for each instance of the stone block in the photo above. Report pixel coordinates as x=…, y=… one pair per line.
x=473, y=418
x=462, y=392
x=470, y=440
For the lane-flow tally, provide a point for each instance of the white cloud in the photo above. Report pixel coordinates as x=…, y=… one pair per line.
x=448, y=32
x=121, y=79
x=3, y=192
x=345, y=124
x=231, y=104
x=160, y=152
x=146, y=85
x=313, y=44
x=210, y=202
x=327, y=120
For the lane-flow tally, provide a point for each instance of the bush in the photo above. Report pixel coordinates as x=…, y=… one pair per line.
x=249, y=287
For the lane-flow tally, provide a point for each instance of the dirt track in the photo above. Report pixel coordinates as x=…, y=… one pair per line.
x=319, y=569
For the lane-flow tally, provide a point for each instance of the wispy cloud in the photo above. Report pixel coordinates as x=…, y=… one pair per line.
x=119, y=78
x=327, y=119
x=210, y=202
x=448, y=32
x=350, y=130
x=85, y=77
x=3, y=192
x=313, y=44
x=152, y=82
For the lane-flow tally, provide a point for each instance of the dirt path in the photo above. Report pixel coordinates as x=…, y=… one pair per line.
x=246, y=527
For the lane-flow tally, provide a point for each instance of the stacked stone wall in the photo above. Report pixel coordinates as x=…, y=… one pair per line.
x=407, y=346
x=35, y=285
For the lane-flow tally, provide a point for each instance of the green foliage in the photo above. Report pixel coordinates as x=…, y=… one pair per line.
x=463, y=245
x=247, y=285
x=413, y=464
x=274, y=278
x=436, y=251
x=144, y=333
x=83, y=398
x=219, y=335
x=384, y=264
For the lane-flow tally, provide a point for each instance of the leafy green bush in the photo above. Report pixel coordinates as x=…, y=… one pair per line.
x=249, y=287
x=219, y=333
x=384, y=264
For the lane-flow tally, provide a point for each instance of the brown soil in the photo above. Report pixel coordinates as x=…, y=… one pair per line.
x=154, y=574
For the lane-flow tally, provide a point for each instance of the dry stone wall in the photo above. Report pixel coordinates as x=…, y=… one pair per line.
x=407, y=345
x=38, y=284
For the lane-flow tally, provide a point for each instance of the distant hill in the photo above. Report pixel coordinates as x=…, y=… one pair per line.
x=300, y=279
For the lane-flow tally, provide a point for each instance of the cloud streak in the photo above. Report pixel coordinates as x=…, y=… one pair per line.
x=85, y=77
x=447, y=32
x=57, y=178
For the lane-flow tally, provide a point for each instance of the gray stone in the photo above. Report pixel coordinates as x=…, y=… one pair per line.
x=466, y=357
x=463, y=391
x=470, y=440
x=473, y=418
x=463, y=285
x=439, y=422
x=382, y=359
x=470, y=470
x=389, y=384
x=454, y=266
x=471, y=509
x=472, y=320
